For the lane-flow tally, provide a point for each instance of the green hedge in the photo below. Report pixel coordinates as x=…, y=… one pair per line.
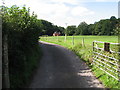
x=24, y=53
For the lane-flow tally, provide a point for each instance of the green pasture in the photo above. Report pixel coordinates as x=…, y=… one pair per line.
x=74, y=40
x=82, y=46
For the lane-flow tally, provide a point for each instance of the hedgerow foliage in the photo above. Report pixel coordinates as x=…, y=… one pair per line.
x=22, y=30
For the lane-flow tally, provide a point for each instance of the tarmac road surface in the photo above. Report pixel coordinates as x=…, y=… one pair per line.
x=61, y=68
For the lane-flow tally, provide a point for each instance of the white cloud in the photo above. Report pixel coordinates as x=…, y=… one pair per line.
x=15, y=2
x=81, y=11
x=73, y=2
x=106, y=0
x=55, y=11
x=59, y=12
x=1, y=3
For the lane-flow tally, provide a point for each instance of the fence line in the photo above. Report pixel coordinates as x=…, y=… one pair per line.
x=104, y=42
x=107, y=63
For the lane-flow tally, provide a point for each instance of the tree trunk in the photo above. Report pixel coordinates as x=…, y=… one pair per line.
x=5, y=81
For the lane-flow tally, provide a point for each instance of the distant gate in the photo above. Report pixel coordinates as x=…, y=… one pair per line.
x=106, y=56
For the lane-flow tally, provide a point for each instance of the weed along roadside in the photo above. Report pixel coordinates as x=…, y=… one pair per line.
x=83, y=47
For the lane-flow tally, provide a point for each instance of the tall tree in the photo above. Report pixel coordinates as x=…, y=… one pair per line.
x=48, y=27
x=91, y=29
x=71, y=30
x=82, y=29
x=61, y=29
x=113, y=23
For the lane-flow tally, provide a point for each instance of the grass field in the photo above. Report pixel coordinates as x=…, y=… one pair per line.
x=78, y=39
x=82, y=46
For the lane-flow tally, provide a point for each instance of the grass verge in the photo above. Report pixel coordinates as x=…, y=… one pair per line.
x=85, y=53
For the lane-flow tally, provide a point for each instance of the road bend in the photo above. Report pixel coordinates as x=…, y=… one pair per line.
x=61, y=68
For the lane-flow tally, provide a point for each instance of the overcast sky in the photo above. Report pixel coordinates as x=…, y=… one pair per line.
x=71, y=12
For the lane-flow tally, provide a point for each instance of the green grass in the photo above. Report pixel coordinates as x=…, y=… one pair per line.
x=84, y=51
x=78, y=39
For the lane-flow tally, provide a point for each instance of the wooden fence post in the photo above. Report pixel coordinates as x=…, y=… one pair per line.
x=93, y=46
x=57, y=37
x=73, y=40
x=65, y=37
x=46, y=37
x=83, y=42
x=107, y=47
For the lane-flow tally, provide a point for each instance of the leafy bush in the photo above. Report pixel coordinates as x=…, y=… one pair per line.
x=22, y=31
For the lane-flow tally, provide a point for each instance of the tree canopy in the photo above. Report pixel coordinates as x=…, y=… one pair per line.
x=102, y=27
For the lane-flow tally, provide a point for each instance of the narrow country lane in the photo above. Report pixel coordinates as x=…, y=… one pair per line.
x=61, y=68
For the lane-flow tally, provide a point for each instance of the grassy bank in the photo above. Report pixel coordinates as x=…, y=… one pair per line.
x=82, y=46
